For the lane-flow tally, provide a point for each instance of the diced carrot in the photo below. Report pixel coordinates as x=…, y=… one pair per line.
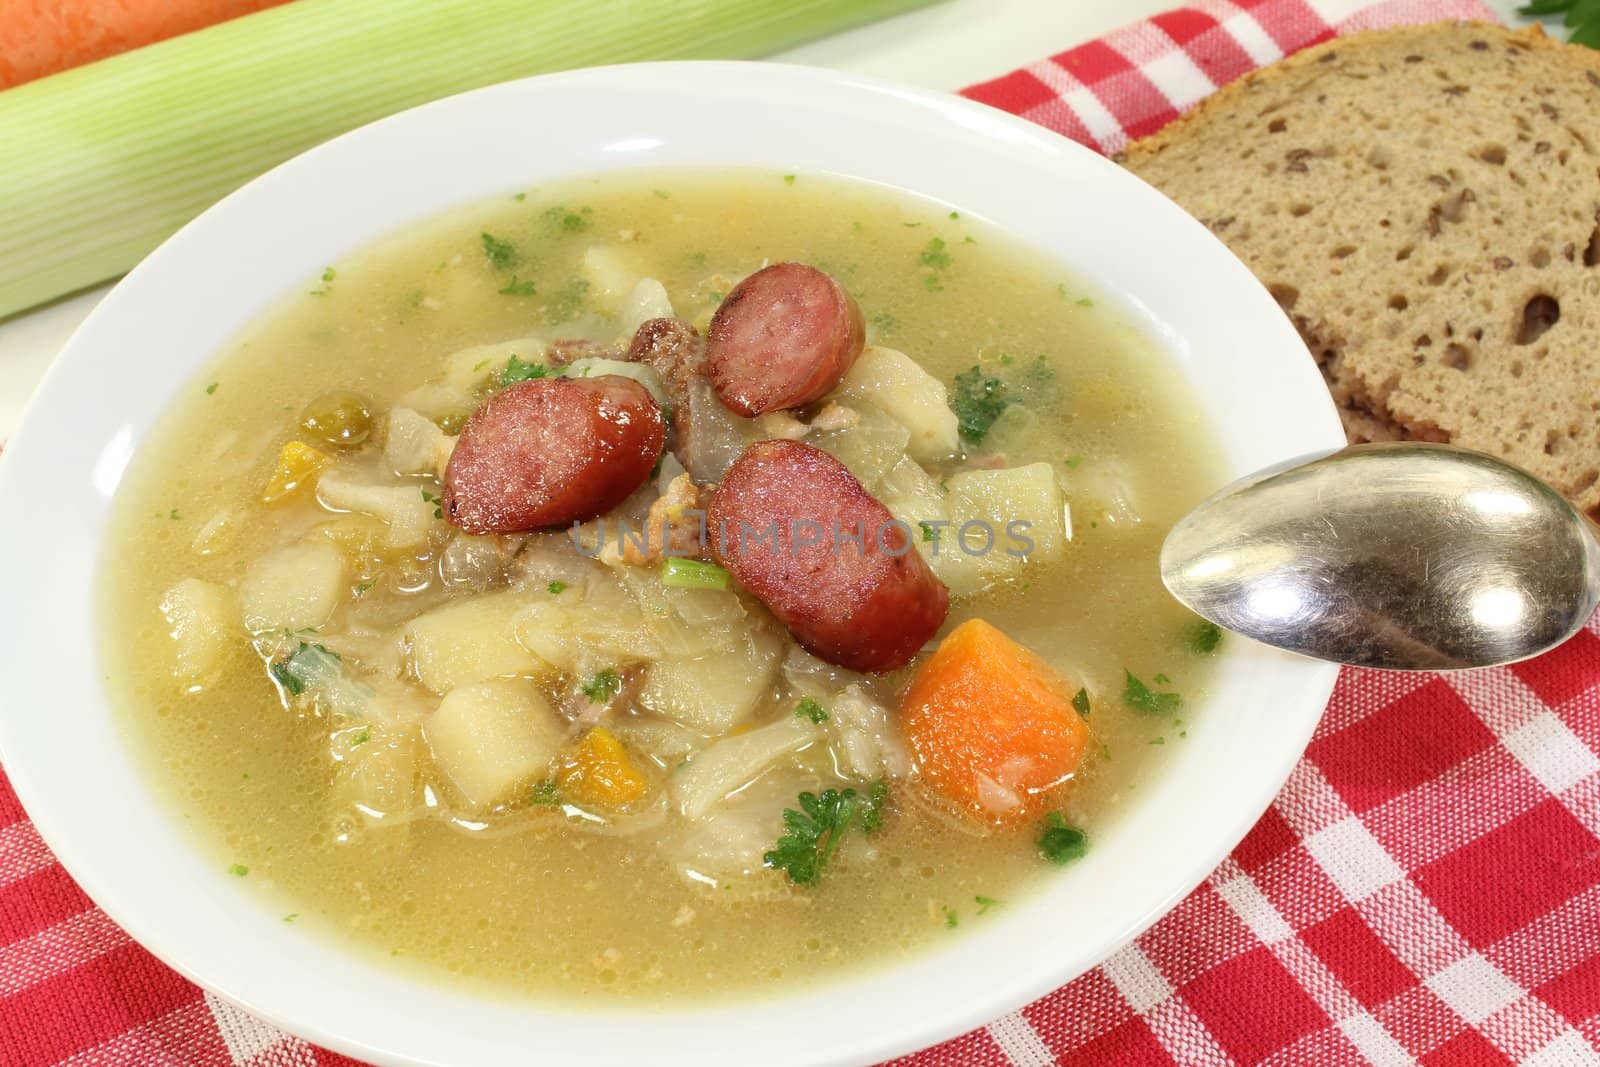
x=298, y=463
x=992, y=725
x=598, y=771
x=39, y=37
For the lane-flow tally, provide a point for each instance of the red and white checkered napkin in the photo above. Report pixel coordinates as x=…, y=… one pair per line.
x=1426, y=888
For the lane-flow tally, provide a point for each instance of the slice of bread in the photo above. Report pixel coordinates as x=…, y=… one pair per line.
x=1425, y=204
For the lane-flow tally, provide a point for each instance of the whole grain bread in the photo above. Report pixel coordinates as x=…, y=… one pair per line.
x=1425, y=204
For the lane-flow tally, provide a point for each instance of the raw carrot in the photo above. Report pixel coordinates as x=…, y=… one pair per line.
x=992, y=725
x=39, y=37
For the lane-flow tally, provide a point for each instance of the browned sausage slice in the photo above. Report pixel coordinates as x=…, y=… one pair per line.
x=797, y=530
x=784, y=337
x=552, y=451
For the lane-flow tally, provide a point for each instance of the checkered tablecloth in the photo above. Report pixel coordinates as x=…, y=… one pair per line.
x=1426, y=888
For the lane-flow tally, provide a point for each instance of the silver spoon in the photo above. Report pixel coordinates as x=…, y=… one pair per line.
x=1401, y=556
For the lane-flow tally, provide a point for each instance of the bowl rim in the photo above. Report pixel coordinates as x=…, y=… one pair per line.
x=887, y=1028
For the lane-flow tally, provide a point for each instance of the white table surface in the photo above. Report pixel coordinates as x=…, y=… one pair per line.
x=945, y=46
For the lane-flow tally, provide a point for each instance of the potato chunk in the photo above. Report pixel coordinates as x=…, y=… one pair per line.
x=411, y=442
x=403, y=508
x=998, y=502
x=714, y=693
x=470, y=640
x=296, y=587
x=199, y=617
x=911, y=396
x=493, y=737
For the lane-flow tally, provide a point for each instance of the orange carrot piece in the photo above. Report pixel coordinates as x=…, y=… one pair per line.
x=598, y=771
x=40, y=37
x=992, y=725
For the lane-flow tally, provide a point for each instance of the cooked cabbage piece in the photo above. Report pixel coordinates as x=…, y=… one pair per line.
x=714, y=693
x=492, y=738
x=404, y=509
x=734, y=761
x=581, y=630
x=296, y=587
x=870, y=448
x=413, y=443
x=893, y=382
x=595, y=366
x=647, y=300
x=469, y=640
x=995, y=500
x=866, y=743
x=377, y=772
x=200, y=617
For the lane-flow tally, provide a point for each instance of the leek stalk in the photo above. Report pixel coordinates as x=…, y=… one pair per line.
x=99, y=164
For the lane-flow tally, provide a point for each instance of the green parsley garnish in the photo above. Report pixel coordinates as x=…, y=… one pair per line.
x=520, y=197
x=814, y=833
x=788, y=179
x=603, y=686
x=362, y=738
x=951, y=919
x=662, y=194
x=291, y=917
x=544, y=795
x=1080, y=702
x=286, y=678
x=978, y=399
x=555, y=587
x=1141, y=697
x=1073, y=462
x=955, y=214
x=363, y=587
x=1085, y=302
x=212, y=388
x=502, y=254
x=561, y=220
x=517, y=371
x=569, y=302
x=929, y=531
x=518, y=288
x=438, y=512
x=934, y=256
x=810, y=709
x=1161, y=679
x=985, y=903
x=1060, y=843
x=239, y=869
x=1204, y=637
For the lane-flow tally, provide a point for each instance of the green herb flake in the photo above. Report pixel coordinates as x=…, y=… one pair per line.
x=284, y=677
x=810, y=709
x=173, y=514
x=545, y=795
x=212, y=388
x=951, y=919
x=569, y=302
x=516, y=287
x=291, y=917
x=934, y=257
x=556, y=587
x=955, y=214
x=1085, y=302
x=1080, y=702
x=1204, y=637
x=1158, y=740
x=1105, y=753
x=911, y=225
x=502, y=254
x=1161, y=679
x=1141, y=698
x=929, y=533
x=363, y=587
x=814, y=833
x=969, y=240
x=362, y=738
x=1060, y=843
x=239, y=870
x=885, y=322
x=603, y=686
x=986, y=903
x=662, y=194
x=978, y=399
x=1073, y=462
x=520, y=197
x=516, y=370
x=788, y=179
x=560, y=220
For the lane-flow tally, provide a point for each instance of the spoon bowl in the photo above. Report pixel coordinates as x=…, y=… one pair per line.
x=1398, y=556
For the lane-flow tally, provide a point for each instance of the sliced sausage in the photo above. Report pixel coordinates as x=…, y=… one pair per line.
x=552, y=451
x=706, y=437
x=796, y=529
x=784, y=337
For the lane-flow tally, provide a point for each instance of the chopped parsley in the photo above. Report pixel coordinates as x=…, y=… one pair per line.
x=788, y=179
x=555, y=587
x=603, y=686
x=518, y=371
x=560, y=220
x=814, y=833
x=662, y=194
x=438, y=511
x=928, y=531
x=1073, y=462
x=810, y=709
x=1161, y=679
x=978, y=399
x=932, y=283
x=362, y=738
x=502, y=254
x=951, y=919
x=985, y=903
x=520, y=197
x=173, y=514
x=955, y=214
x=1060, y=843
x=569, y=302
x=329, y=274
x=291, y=917
x=212, y=388
x=1158, y=740
x=1085, y=302
x=1204, y=637
x=544, y=795
x=363, y=587
x=518, y=288
x=1080, y=702
x=287, y=678
x=934, y=257
x=1142, y=698
x=239, y=870
x=302, y=666
x=885, y=322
